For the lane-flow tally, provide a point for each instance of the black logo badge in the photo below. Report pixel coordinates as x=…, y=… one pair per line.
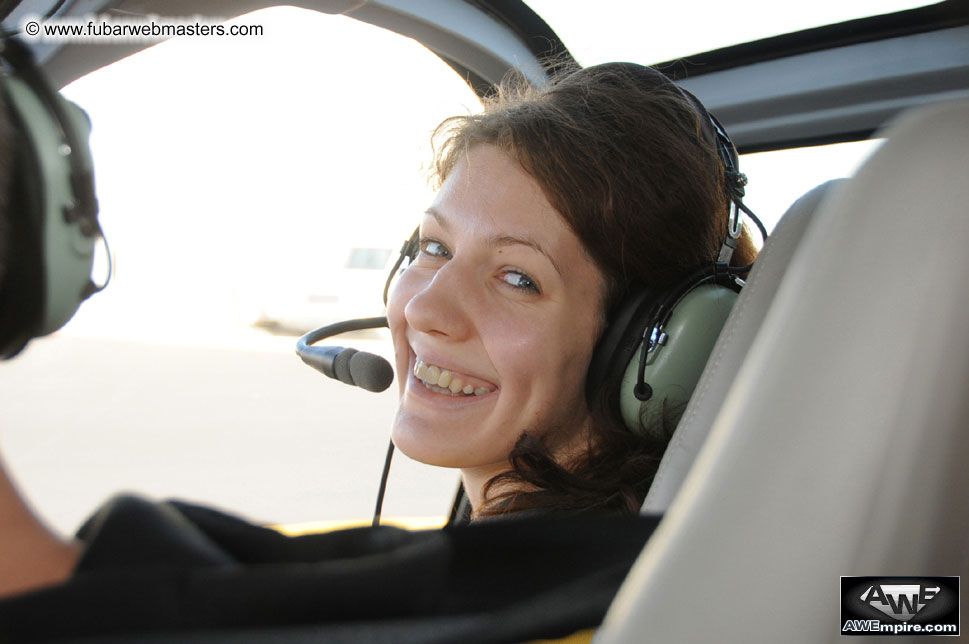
x=900, y=606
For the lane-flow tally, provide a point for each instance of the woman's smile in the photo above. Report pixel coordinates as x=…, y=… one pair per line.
x=449, y=381
x=445, y=385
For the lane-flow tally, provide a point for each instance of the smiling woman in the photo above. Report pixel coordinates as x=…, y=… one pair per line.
x=555, y=206
x=500, y=281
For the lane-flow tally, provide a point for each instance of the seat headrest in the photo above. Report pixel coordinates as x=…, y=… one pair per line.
x=731, y=349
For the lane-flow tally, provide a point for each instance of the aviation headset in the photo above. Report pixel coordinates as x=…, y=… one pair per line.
x=658, y=342
x=51, y=210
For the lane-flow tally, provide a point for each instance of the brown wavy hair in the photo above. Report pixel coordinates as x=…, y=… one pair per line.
x=620, y=154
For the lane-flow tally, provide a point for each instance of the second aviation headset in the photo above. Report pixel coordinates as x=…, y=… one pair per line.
x=52, y=210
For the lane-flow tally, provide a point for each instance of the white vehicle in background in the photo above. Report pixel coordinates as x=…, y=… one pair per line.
x=318, y=298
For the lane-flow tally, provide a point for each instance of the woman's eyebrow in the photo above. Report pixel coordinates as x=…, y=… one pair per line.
x=509, y=240
x=438, y=217
x=499, y=241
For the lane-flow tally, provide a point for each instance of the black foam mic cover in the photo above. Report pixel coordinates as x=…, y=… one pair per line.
x=341, y=366
x=370, y=371
x=358, y=368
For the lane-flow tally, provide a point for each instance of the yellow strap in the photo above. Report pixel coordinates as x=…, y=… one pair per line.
x=578, y=637
x=316, y=527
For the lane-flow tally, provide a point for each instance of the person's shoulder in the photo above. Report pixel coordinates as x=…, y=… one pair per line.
x=130, y=530
x=133, y=532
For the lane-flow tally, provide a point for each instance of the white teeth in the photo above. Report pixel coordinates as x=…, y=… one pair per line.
x=443, y=381
x=439, y=390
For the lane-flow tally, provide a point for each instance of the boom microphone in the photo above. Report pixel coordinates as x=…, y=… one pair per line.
x=353, y=367
x=359, y=368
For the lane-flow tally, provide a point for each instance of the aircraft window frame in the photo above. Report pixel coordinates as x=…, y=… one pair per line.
x=642, y=34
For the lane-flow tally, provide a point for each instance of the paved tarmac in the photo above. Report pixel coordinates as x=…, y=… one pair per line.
x=253, y=431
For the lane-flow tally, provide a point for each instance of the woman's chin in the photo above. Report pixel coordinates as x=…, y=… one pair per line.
x=438, y=444
x=420, y=443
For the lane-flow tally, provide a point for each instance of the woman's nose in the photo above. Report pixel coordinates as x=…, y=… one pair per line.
x=441, y=306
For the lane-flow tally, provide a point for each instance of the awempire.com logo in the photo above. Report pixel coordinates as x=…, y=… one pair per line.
x=900, y=606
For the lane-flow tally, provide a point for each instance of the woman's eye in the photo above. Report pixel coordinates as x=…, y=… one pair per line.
x=520, y=281
x=434, y=249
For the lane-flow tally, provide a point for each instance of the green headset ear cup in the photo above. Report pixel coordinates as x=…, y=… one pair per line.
x=68, y=253
x=673, y=369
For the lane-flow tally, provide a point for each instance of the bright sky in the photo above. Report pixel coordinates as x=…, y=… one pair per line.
x=235, y=173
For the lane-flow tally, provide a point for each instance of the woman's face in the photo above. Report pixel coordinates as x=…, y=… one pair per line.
x=499, y=313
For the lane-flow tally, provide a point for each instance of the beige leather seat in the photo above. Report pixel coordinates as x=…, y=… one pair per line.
x=731, y=349
x=842, y=443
